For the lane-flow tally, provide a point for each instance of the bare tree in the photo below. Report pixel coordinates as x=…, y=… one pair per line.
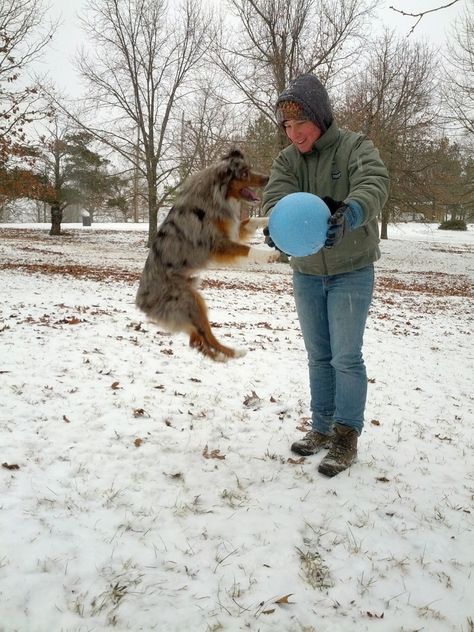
x=391, y=100
x=24, y=33
x=142, y=64
x=272, y=41
x=207, y=125
x=459, y=72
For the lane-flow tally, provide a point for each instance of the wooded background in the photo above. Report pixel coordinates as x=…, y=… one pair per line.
x=168, y=88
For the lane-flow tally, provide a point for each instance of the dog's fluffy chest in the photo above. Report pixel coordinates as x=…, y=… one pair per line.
x=235, y=221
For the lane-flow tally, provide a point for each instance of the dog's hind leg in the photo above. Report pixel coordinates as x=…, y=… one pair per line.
x=197, y=341
x=201, y=337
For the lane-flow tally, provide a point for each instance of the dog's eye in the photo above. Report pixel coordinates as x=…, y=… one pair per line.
x=245, y=174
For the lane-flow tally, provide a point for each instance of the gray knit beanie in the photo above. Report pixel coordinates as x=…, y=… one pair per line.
x=305, y=99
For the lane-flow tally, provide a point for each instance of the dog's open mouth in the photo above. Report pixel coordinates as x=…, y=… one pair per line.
x=249, y=195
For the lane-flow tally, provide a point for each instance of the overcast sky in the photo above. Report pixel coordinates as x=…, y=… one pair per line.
x=434, y=27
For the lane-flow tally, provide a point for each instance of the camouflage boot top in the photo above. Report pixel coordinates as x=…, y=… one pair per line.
x=343, y=451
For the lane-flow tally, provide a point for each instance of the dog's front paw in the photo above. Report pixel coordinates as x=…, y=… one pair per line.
x=255, y=223
x=259, y=255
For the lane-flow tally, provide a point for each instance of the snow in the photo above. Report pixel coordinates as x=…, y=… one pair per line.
x=155, y=489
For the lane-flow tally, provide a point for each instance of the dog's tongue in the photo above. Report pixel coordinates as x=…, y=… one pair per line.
x=248, y=194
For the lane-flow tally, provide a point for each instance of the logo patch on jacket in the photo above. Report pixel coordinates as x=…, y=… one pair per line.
x=336, y=174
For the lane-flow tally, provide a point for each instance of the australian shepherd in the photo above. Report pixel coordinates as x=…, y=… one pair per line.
x=204, y=225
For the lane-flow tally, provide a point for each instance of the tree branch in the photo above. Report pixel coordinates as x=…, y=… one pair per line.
x=422, y=14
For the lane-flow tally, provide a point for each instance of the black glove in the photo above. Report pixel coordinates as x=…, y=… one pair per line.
x=338, y=227
x=332, y=205
x=268, y=240
x=344, y=218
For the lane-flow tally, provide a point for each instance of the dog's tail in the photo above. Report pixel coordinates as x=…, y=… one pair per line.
x=163, y=299
x=177, y=306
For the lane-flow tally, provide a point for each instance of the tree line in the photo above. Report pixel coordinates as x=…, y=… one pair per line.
x=169, y=87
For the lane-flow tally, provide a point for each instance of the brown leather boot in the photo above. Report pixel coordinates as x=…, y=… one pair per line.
x=343, y=451
x=311, y=443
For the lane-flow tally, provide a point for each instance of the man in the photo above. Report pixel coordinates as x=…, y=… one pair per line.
x=332, y=288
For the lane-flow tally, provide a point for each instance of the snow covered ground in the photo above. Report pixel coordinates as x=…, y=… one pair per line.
x=144, y=487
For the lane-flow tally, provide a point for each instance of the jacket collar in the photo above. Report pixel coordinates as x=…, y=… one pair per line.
x=327, y=139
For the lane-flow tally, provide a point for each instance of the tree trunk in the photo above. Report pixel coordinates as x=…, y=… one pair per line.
x=152, y=210
x=56, y=219
x=384, y=226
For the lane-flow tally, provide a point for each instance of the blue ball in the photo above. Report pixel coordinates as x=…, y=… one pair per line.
x=298, y=224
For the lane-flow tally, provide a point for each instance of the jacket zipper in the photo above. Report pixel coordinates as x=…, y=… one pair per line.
x=318, y=157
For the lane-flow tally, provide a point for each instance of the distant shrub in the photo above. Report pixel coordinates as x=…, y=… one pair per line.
x=453, y=224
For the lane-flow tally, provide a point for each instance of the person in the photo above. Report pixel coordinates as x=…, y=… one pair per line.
x=332, y=288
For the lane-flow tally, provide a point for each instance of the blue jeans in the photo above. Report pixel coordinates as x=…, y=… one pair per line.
x=332, y=311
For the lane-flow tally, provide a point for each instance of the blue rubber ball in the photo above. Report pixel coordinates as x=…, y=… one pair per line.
x=299, y=223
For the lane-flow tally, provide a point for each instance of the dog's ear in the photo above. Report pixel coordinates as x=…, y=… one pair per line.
x=234, y=152
x=238, y=165
x=235, y=159
x=224, y=171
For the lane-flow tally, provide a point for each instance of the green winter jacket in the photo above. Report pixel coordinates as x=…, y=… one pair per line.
x=346, y=166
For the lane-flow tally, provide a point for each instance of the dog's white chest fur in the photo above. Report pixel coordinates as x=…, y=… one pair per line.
x=236, y=209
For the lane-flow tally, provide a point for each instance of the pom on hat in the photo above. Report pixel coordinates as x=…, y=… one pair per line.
x=290, y=110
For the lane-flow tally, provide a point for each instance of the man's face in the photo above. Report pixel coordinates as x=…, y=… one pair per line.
x=303, y=134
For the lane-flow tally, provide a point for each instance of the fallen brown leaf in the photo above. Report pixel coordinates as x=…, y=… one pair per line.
x=73, y=320
x=438, y=436
x=296, y=461
x=214, y=454
x=252, y=400
x=12, y=466
x=302, y=428
x=140, y=412
x=69, y=320
x=177, y=475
